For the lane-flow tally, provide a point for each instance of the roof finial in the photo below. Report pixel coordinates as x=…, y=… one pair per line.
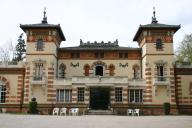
x=154, y=20
x=44, y=21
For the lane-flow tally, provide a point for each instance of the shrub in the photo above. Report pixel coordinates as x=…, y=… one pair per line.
x=33, y=106
x=166, y=108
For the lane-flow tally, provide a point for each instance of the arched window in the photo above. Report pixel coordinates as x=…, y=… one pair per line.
x=159, y=44
x=136, y=71
x=40, y=45
x=99, y=70
x=86, y=69
x=111, y=70
x=2, y=92
x=62, y=68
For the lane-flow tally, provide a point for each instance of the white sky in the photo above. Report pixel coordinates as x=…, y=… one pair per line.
x=94, y=20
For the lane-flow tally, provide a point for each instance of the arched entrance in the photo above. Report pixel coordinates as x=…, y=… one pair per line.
x=99, y=70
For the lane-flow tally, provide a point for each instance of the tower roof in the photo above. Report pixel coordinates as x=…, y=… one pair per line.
x=154, y=25
x=44, y=25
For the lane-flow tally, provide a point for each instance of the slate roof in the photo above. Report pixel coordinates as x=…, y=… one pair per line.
x=155, y=26
x=44, y=26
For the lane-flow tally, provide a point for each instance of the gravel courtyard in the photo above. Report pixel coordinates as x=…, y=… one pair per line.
x=93, y=121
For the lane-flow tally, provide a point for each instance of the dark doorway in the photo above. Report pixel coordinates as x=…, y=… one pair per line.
x=99, y=70
x=99, y=98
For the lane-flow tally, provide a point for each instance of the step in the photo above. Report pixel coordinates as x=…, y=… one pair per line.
x=99, y=112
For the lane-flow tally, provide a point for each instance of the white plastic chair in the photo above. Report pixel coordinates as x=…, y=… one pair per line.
x=130, y=111
x=74, y=111
x=63, y=111
x=56, y=111
x=136, y=112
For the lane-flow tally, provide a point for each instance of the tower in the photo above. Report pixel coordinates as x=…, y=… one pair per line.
x=156, y=42
x=43, y=40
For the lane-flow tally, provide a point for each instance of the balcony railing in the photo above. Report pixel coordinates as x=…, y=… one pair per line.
x=99, y=81
x=38, y=80
x=137, y=82
x=161, y=80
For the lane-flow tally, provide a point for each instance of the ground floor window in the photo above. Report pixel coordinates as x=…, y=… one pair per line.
x=2, y=93
x=118, y=94
x=135, y=95
x=80, y=95
x=64, y=95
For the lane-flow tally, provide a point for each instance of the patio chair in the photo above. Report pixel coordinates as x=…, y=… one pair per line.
x=63, y=111
x=130, y=111
x=56, y=111
x=74, y=111
x=136, y=112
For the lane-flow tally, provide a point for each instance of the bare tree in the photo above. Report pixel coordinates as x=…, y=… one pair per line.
x=184, y=52
x=6, y=52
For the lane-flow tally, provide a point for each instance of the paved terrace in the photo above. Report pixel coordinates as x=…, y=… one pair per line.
x=93, y=121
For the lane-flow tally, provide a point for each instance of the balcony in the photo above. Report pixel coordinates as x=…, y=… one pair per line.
x=38, y=80
x=137, y=82
x=92, y=80
x=99, y=81
x=161, y=80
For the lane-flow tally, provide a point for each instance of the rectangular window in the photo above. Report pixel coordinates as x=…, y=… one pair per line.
x=118, y=95
x=160, y=73
x=123, y=55
x=2, y=94
x=80, y=95
x=40, y=45
x=64, y=95
x=135, y=96
x=38, y=71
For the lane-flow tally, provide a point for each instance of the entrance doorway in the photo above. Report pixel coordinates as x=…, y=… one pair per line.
x=99, y=98
x=99, y=70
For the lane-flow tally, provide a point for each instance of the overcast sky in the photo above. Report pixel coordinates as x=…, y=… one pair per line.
x=94, y=20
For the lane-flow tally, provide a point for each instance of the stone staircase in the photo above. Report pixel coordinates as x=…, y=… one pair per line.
x=99, y=112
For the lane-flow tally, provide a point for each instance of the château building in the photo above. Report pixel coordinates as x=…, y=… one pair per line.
x=98, y=75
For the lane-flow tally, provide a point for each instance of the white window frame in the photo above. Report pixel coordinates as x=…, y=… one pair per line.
x=119, y=94
x=64, y=95
x=80, y=94
x=2, y=92
x=135, y=98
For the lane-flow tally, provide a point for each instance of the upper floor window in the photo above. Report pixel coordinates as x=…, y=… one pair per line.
x=75, y=55
x=38, y=71
x=40, y=45
x=160, y=73
x=2, y=92
x=62, y=68
x=159, y=44
x=123, y=55
x=99, y=70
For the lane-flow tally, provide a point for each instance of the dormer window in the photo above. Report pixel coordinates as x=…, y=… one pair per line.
x=40, y=45
x=159, y=44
